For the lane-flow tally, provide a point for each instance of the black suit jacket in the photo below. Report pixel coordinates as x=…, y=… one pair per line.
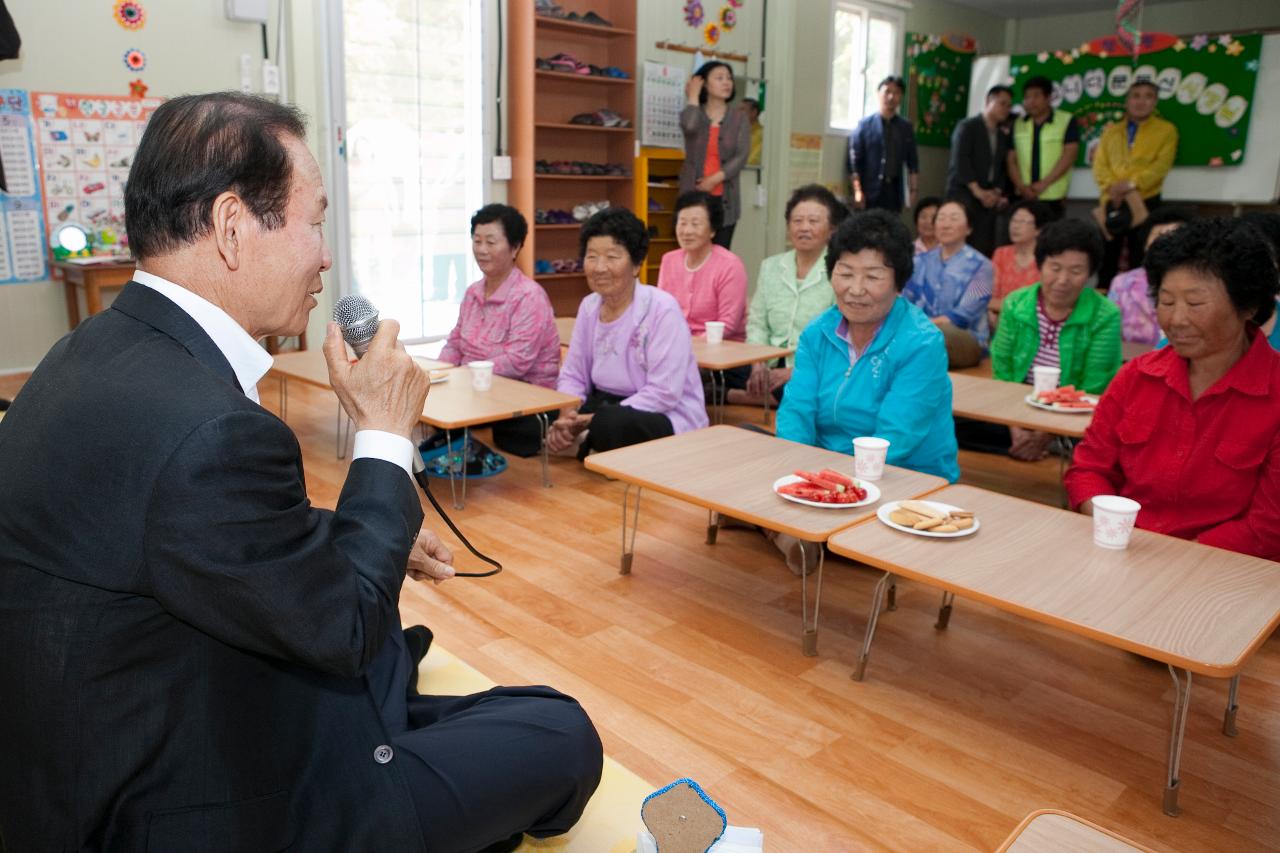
x=972, y=158
x=182, y=635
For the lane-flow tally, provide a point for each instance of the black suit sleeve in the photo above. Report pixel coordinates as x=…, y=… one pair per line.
x=962, y=144
x=234, y=547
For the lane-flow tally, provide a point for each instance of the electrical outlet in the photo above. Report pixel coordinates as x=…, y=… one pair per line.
x=270, y=77
x=762, y=196
x=501, y=168
x=246, y=73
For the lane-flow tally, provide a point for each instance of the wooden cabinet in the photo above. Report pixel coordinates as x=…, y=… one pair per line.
x=541, y=105
x=657, y=185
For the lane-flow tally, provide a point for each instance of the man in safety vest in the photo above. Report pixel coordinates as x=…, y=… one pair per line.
x=1045, y=144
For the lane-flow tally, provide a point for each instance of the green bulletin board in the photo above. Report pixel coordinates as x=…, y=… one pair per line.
x=1206, y=89
x=937, y=71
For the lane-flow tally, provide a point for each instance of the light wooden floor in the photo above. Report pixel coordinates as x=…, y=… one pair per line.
x=692, y=667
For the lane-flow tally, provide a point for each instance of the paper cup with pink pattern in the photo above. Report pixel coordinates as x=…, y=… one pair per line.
x=1113, y=521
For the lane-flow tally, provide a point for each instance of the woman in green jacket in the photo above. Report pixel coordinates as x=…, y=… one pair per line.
x=1058, y=322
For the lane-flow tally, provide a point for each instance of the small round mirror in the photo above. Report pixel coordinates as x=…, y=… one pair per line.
x=71, y=238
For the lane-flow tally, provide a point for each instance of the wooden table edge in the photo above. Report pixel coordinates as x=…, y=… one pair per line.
x=1025, y=424
x=1026, y=821
x=807, y=536
x=742, y=362
x=1209, y=670
x=463, y=423
x=293, y=377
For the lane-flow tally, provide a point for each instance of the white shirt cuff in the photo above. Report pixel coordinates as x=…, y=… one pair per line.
x=387, y=446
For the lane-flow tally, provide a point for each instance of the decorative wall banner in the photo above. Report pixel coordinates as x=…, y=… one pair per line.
x=1206, y=89
x=937, y=70
x=22, y=244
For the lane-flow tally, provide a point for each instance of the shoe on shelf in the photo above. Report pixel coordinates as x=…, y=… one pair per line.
x=593, y=18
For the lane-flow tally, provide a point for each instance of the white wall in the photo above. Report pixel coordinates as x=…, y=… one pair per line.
x=1187, y=17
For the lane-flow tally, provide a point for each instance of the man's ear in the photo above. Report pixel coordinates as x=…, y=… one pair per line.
x=230, y=223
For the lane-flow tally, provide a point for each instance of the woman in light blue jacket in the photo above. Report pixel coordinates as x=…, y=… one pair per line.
x=873, y=364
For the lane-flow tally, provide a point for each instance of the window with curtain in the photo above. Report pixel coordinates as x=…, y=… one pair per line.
x=866, y=47
x=414, y=145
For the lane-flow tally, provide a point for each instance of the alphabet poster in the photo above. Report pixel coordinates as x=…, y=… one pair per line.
x=22, y=244
x=86, y=145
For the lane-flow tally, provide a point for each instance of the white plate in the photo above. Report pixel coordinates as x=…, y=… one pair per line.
x=1071, y=410
x=873, y=493
x=438, y=376
x=885, y=509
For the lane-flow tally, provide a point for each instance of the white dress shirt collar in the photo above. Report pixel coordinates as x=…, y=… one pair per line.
x=247, y=358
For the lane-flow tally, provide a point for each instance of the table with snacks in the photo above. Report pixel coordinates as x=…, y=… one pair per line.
x=1195, y=608
x=1053, y=830
x=452, y=403
x=734, y=472
x=1013, y=404
x=726, y=355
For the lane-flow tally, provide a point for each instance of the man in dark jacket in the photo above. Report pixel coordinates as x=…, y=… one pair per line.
x=195, y=658
x=976, y=173
x=880, y=148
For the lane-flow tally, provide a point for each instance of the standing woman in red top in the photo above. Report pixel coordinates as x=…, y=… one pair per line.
x=717, y=141
x=1192, y=431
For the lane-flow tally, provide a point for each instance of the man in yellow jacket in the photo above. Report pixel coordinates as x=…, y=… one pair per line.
x=1133, y=156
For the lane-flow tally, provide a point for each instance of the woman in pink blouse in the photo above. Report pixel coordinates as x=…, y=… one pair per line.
x=506, y=318
x=709, y=281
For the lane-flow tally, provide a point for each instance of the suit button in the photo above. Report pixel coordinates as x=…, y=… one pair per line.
x=383, y=754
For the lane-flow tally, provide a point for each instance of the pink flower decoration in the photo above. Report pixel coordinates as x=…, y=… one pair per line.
x=693, y=13
x=1199, y=42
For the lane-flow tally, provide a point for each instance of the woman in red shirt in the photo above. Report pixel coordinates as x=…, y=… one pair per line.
x=1192, y=431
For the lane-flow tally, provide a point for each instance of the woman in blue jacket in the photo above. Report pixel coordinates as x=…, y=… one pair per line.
x=873, y=363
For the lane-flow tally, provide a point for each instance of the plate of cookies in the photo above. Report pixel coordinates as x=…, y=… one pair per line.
x=928, y=518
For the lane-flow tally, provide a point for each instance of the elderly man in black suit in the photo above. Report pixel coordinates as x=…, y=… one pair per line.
x=195, y=658
x=976, y=173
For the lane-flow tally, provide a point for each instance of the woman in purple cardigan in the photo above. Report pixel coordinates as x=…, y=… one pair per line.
x=631, y=356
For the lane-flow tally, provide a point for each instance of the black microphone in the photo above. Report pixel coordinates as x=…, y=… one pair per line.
x=358, y=320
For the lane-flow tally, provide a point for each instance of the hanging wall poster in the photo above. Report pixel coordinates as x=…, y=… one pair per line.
x=86, y=145
x=937, y=71
x=1206, y=89
x=662, y=100
x=22, y=245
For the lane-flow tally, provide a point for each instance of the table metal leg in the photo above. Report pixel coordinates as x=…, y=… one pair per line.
x=944, y=612
x=1229, y=719
x=628, y=549
x=809, y=634
x=344, y=433
x=284, y=398
x=1181, y=704
x=768, y=399
x=458, y=473
x=876, y=598
x=719, y=388
x=544, y=424
x=893, y=593
x=1066, y=450
x=713, y=526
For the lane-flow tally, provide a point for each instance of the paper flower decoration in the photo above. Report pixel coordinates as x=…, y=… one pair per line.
x=135, y=60
x=1199, y=42
x=138, y=89
x=729, y=19
x=737, y=4
x=693, y=13
x=1224, y=39
x=711, y=33
x=130, y=14
x=1179, y=46
x=1235, y=48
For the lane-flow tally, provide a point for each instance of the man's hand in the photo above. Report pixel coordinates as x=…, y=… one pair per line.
x=1029, y=445
x=386, y=389
x=758, y=380
x=1037, y=187
x=430, y=559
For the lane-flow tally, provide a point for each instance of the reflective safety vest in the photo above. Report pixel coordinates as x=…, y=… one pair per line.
x=1052, y=138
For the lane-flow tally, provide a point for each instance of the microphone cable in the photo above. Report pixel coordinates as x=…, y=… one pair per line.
x=423, y=481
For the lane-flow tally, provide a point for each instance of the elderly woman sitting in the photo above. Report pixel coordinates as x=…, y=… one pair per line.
x=952, y=284
x=506, y=318
x=792, y=287
x=1192, y=431
x=872, y=364
x=1058, y=322
x=631, y=356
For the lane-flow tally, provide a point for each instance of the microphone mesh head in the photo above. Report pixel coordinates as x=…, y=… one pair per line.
x=358, y=320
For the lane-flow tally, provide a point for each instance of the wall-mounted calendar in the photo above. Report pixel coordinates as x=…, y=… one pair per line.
x=662, y=93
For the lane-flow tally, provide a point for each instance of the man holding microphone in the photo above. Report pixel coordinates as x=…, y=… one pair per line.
x=195, y=657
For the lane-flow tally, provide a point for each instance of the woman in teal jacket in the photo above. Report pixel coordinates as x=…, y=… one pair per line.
x=1082, y=327
x=873, y=364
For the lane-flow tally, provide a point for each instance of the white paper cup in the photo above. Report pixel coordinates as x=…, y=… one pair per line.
x=869, y=454
x=1045, y=378
x=481, y=375
x=715, y=331
x=1113, y=520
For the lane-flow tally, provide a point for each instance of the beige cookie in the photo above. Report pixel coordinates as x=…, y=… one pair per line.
x=906, y=519
x=963, y=523
x=945, y=528
x=928, y=524
x=922, y=508
x=961, y=513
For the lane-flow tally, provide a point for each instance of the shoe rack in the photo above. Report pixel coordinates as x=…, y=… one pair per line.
x=542, y=102
x=657, y=180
